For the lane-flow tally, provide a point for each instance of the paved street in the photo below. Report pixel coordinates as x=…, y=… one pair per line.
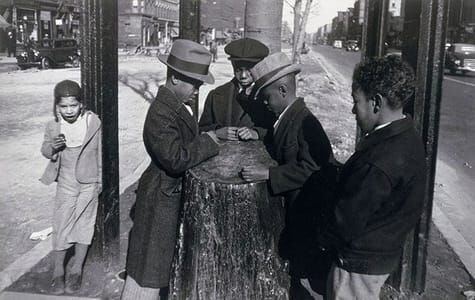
x=456, y=153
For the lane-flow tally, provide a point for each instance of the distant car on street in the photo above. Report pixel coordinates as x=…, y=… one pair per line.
x=337, y=44
x=49, y=53
x=352, y=45
x=460, y=57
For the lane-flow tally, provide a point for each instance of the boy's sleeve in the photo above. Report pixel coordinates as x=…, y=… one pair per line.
x=164, y=142
x=207, y=120
x=47, y=145
x=313, y=151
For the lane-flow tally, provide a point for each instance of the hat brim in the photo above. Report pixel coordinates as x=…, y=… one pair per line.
x=249, y=59
x=208, y=78
x=292, y=69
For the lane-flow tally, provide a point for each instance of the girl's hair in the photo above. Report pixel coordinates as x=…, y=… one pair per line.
x=388, y=76
x=67, y=88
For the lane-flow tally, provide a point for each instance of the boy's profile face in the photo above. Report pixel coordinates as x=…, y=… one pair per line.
x=363, y=108
x=69, y=108
x=186, y=88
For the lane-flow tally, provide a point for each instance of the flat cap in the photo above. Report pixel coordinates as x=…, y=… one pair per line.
x=246, y=49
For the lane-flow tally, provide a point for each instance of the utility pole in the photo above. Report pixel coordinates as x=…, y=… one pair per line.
x=99, y=77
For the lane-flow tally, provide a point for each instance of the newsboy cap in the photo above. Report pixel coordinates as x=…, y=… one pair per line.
x=270, y=69
x=67, y=88
x=190, y=59
x=246, y=49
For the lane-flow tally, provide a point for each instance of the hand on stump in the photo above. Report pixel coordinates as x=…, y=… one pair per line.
x=227, y=133
x=246, y=134
x=254, y=173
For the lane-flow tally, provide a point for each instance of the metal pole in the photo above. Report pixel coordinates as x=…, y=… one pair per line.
x=99, y=76
x=190, y=29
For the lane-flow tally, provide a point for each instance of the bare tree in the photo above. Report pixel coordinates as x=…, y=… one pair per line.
x=263, y=21
x=300, y=22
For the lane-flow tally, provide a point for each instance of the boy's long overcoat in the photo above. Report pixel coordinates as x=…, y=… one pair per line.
x=172, y=140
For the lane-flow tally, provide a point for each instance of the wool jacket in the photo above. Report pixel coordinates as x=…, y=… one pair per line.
x=172, y=140
x=380, y=198
x=305, y=177
x=89, y=164
x=225, y=107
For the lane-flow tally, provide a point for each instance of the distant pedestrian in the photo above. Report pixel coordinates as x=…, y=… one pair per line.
x=213, y=48
x=72, y=143
x=12, y=42
x=381, y=187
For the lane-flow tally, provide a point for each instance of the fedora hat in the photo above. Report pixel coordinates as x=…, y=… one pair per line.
x=190, y=59
x=270, y=69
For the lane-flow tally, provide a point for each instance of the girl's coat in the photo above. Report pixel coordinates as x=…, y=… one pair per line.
x=89, y=164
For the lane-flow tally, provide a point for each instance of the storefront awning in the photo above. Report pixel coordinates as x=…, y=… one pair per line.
x=4, y=23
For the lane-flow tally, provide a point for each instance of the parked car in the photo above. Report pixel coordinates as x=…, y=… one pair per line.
x=337, y=44
x=352, y=45
x=49, y=53
x=460, y=57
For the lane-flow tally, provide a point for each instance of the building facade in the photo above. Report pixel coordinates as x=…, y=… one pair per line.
x=147, y=22
x=36, y=20
x=222, y=20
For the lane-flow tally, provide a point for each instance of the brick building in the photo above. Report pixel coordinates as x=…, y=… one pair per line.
x=147, y=22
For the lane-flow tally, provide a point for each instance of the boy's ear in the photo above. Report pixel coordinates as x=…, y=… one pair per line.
x=174, y=79
x=378, y=100
x=283, y=90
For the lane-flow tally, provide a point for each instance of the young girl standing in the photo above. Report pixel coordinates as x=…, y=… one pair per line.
x=72, y=143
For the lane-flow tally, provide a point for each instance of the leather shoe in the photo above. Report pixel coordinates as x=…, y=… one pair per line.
x=57, y=285
x=73, y=283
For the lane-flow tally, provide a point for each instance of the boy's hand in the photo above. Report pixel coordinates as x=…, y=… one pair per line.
x=59, y=143
x=227, y=133
x=246, y=134
x=254, y=173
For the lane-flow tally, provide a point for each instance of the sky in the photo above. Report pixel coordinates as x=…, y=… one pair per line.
x=323, y=13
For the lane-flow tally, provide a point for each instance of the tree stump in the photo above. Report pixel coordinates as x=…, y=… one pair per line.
x=229, y=233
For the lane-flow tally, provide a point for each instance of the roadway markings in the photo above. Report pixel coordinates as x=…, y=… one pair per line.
x=459, y=81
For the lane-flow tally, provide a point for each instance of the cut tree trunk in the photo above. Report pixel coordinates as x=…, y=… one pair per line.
x=229, y=233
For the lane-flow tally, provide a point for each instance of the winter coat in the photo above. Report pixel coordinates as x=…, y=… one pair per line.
x=380, y=198
x=172, y=140
x=89, y=165
x=225, y=106
x=305, y=176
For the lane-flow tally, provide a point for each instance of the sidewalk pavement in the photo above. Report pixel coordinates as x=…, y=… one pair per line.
x=7, y=64
x=446, y=276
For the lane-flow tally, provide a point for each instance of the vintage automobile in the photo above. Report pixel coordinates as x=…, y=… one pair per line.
x=49, y=53
x=338, y=44
x=352, y=45
x=460, y=57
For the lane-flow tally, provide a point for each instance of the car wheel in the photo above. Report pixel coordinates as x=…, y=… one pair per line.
x=464, y=72
x=45, y=63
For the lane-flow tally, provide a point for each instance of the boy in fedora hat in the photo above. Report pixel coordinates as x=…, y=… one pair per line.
x=304, y=175
x=172, y=139
x=227, y=109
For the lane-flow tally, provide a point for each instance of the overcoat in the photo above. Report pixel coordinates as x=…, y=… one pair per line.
x=174, y=144
x=89, y=164
x=305, y=176
x=225, y=106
